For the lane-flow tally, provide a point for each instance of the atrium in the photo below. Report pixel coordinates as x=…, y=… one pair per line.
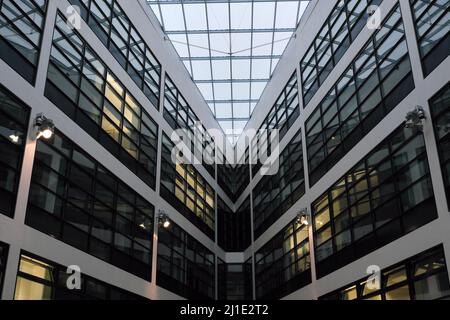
x=224, y=150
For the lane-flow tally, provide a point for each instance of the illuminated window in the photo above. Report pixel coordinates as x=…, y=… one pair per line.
x=354, y=217
x=185, y=189
x=422, y=277
x=283, y=264
x=80, y=84
x=39, y=280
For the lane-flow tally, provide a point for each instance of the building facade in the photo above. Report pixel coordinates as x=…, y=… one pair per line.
x=374, y=188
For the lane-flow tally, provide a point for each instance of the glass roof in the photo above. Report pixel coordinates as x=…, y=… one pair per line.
x=230, y=48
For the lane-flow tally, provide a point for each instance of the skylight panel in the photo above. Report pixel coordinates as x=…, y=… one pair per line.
x=195, y=16
x=260, y=68
x=201, y=70
x=257, y=89
x=172, y=17
x=281, y=40
x=263, y=15
x=179, y=42
x=241, y=69
x=262, y=43
x=222, y=91
x=221, y=69
x=241, y=15
x=241, y=109
x=230, y=48
x=198, y=45
x=220, y=44
x=224, y=110
x=241, y=90
x=207, y=90
x=218, y=16
x=286, y=14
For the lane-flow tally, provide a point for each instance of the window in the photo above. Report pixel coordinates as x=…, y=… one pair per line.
x=179, y=115
x=233, y=179
x=81, y=85
x=376, y=81
x=186, y=189
x=234, y=233
x=235, y=280
x=432, y=30
x=21, y=26
x=3, y=258
x=422, y=277
x=185, y=266
x=282, y=115
x=283, y=264
x=14, y=118
x=76, y=200
x=43, y=280
x=340, y=29
x=112, y=26
x=440, y=112
x=383, y=197
x=275, y=194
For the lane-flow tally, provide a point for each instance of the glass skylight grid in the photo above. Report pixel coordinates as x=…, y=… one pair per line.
x=230, y=48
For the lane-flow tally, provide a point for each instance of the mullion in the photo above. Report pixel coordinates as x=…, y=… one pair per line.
x=93, y=198
x=16, y=28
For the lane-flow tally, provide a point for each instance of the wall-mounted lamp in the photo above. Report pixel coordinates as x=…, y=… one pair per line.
x=303, y=217
x=44, y=126
x=414, y=119
x=163, y=219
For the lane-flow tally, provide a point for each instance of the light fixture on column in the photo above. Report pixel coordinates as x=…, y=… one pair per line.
x=414, y=119
x=303, y=217
x=44, y=126
x=163, y=219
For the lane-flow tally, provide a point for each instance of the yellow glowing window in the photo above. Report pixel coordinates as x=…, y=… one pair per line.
x=180, y=170
x=190, y=204
x=322, y=219
x=113, y=98
x=339, y=205
x=321, y=204
x=401, y=293
x=179, y=183
x=396, y=277
x=179, y=194
x=110, y=129
x=337, y=191
x=191, y=181
x=377, y=297
x=113, y=82
x=349, y=294
x=302, y=235
x=132, y=104
x=30, y=290
x=209, y=200
x=36, y=268
x=200, y=191
x=132, y=117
